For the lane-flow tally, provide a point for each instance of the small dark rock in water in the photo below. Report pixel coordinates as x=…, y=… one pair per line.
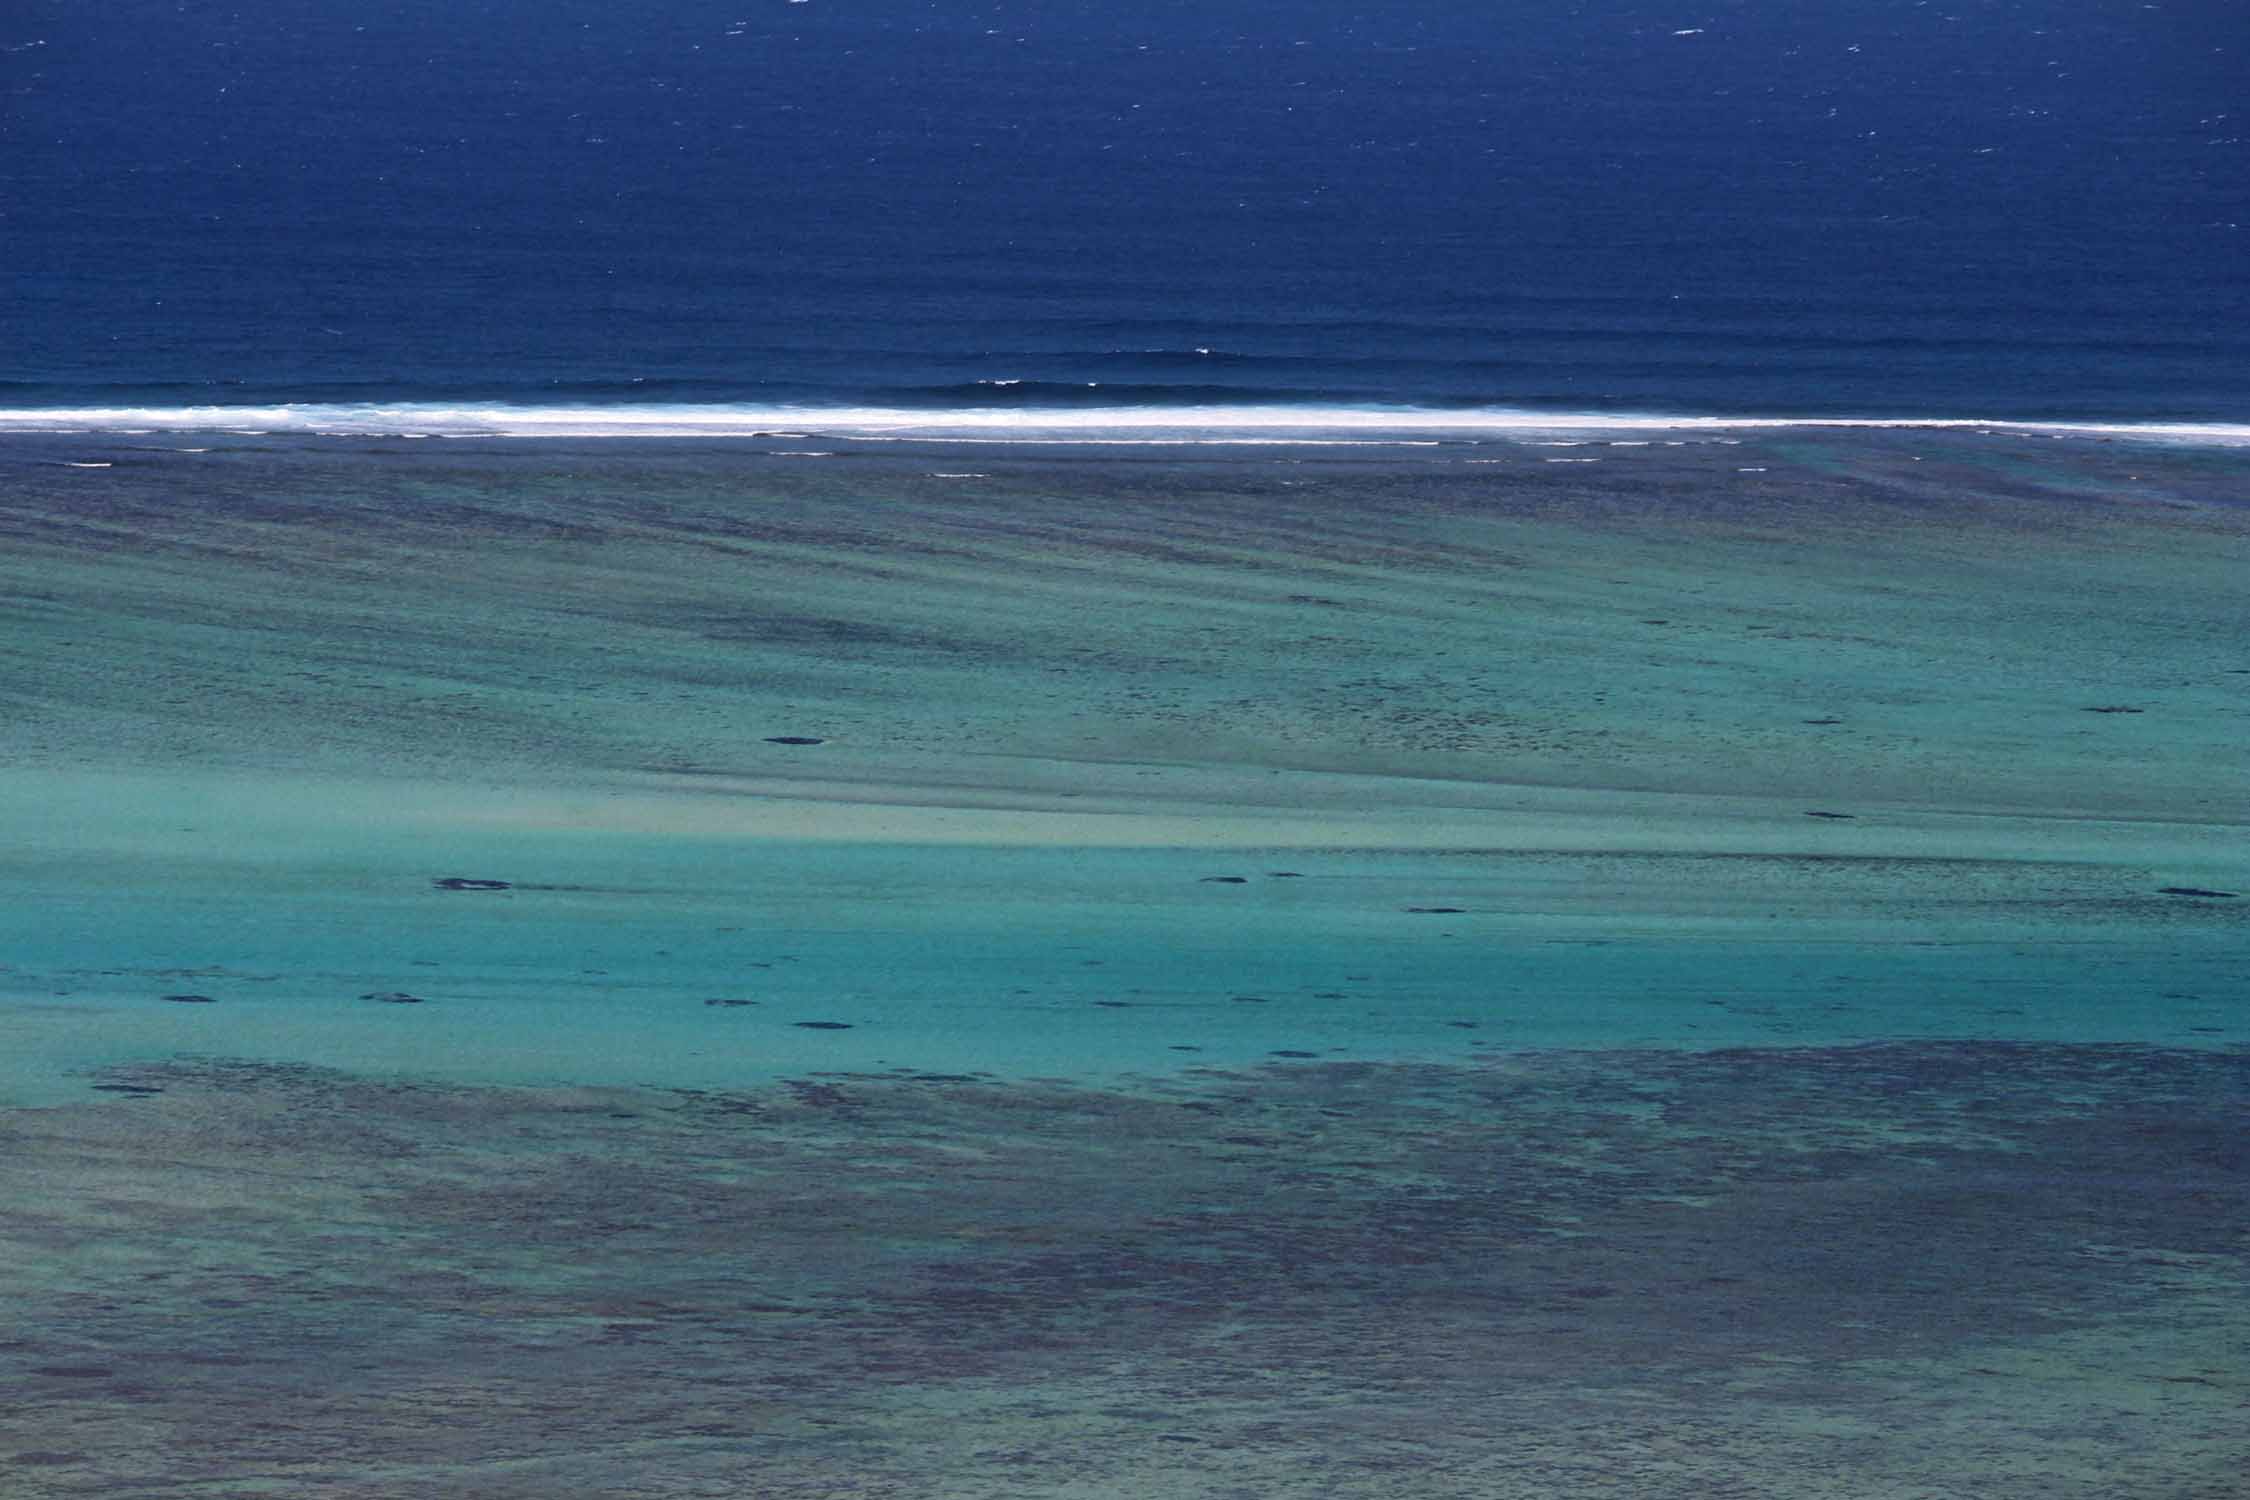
x=393, y=997
x=125, y=1088
x=794, y=739
x=730, y=1003
x=2194, y=890
x=824, y=1025
x=1463, y=1025
x=1115, y=1004
x=191, y=999
x=1225, y=880
x=1249, y=999
x=2116, y=708
x=463, y=883
x=1444, y=910
x=1285, y=1052
x=1834, y=817
x=1285, y=874
x=1182, y=1047
x=820, y=1095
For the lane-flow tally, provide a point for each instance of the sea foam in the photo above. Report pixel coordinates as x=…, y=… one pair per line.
x=1051, y=425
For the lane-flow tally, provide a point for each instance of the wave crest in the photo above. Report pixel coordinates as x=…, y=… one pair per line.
x=1010, y=422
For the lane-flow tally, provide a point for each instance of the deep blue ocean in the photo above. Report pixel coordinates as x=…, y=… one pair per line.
x=2007, y=208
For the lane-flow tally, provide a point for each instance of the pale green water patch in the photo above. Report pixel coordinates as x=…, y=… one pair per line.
x=1661, y=751
x=1019, y=961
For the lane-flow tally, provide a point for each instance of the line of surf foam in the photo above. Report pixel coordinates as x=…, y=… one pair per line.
x=1167, y=424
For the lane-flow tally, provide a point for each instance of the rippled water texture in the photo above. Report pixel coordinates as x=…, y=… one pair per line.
x=1708, y=964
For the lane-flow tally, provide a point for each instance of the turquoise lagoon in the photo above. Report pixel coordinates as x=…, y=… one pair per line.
x=1374, y=970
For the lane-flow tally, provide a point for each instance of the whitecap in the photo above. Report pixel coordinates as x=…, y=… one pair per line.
x=1182, y=424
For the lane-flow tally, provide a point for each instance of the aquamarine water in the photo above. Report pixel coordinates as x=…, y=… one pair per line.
x=1008, y=752
x=1119, y=763
x=1187, y=951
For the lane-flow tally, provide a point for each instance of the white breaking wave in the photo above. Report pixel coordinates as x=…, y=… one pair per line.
x=1091, y=424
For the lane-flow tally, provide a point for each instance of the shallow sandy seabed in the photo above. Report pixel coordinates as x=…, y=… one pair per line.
x=1435, y=972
